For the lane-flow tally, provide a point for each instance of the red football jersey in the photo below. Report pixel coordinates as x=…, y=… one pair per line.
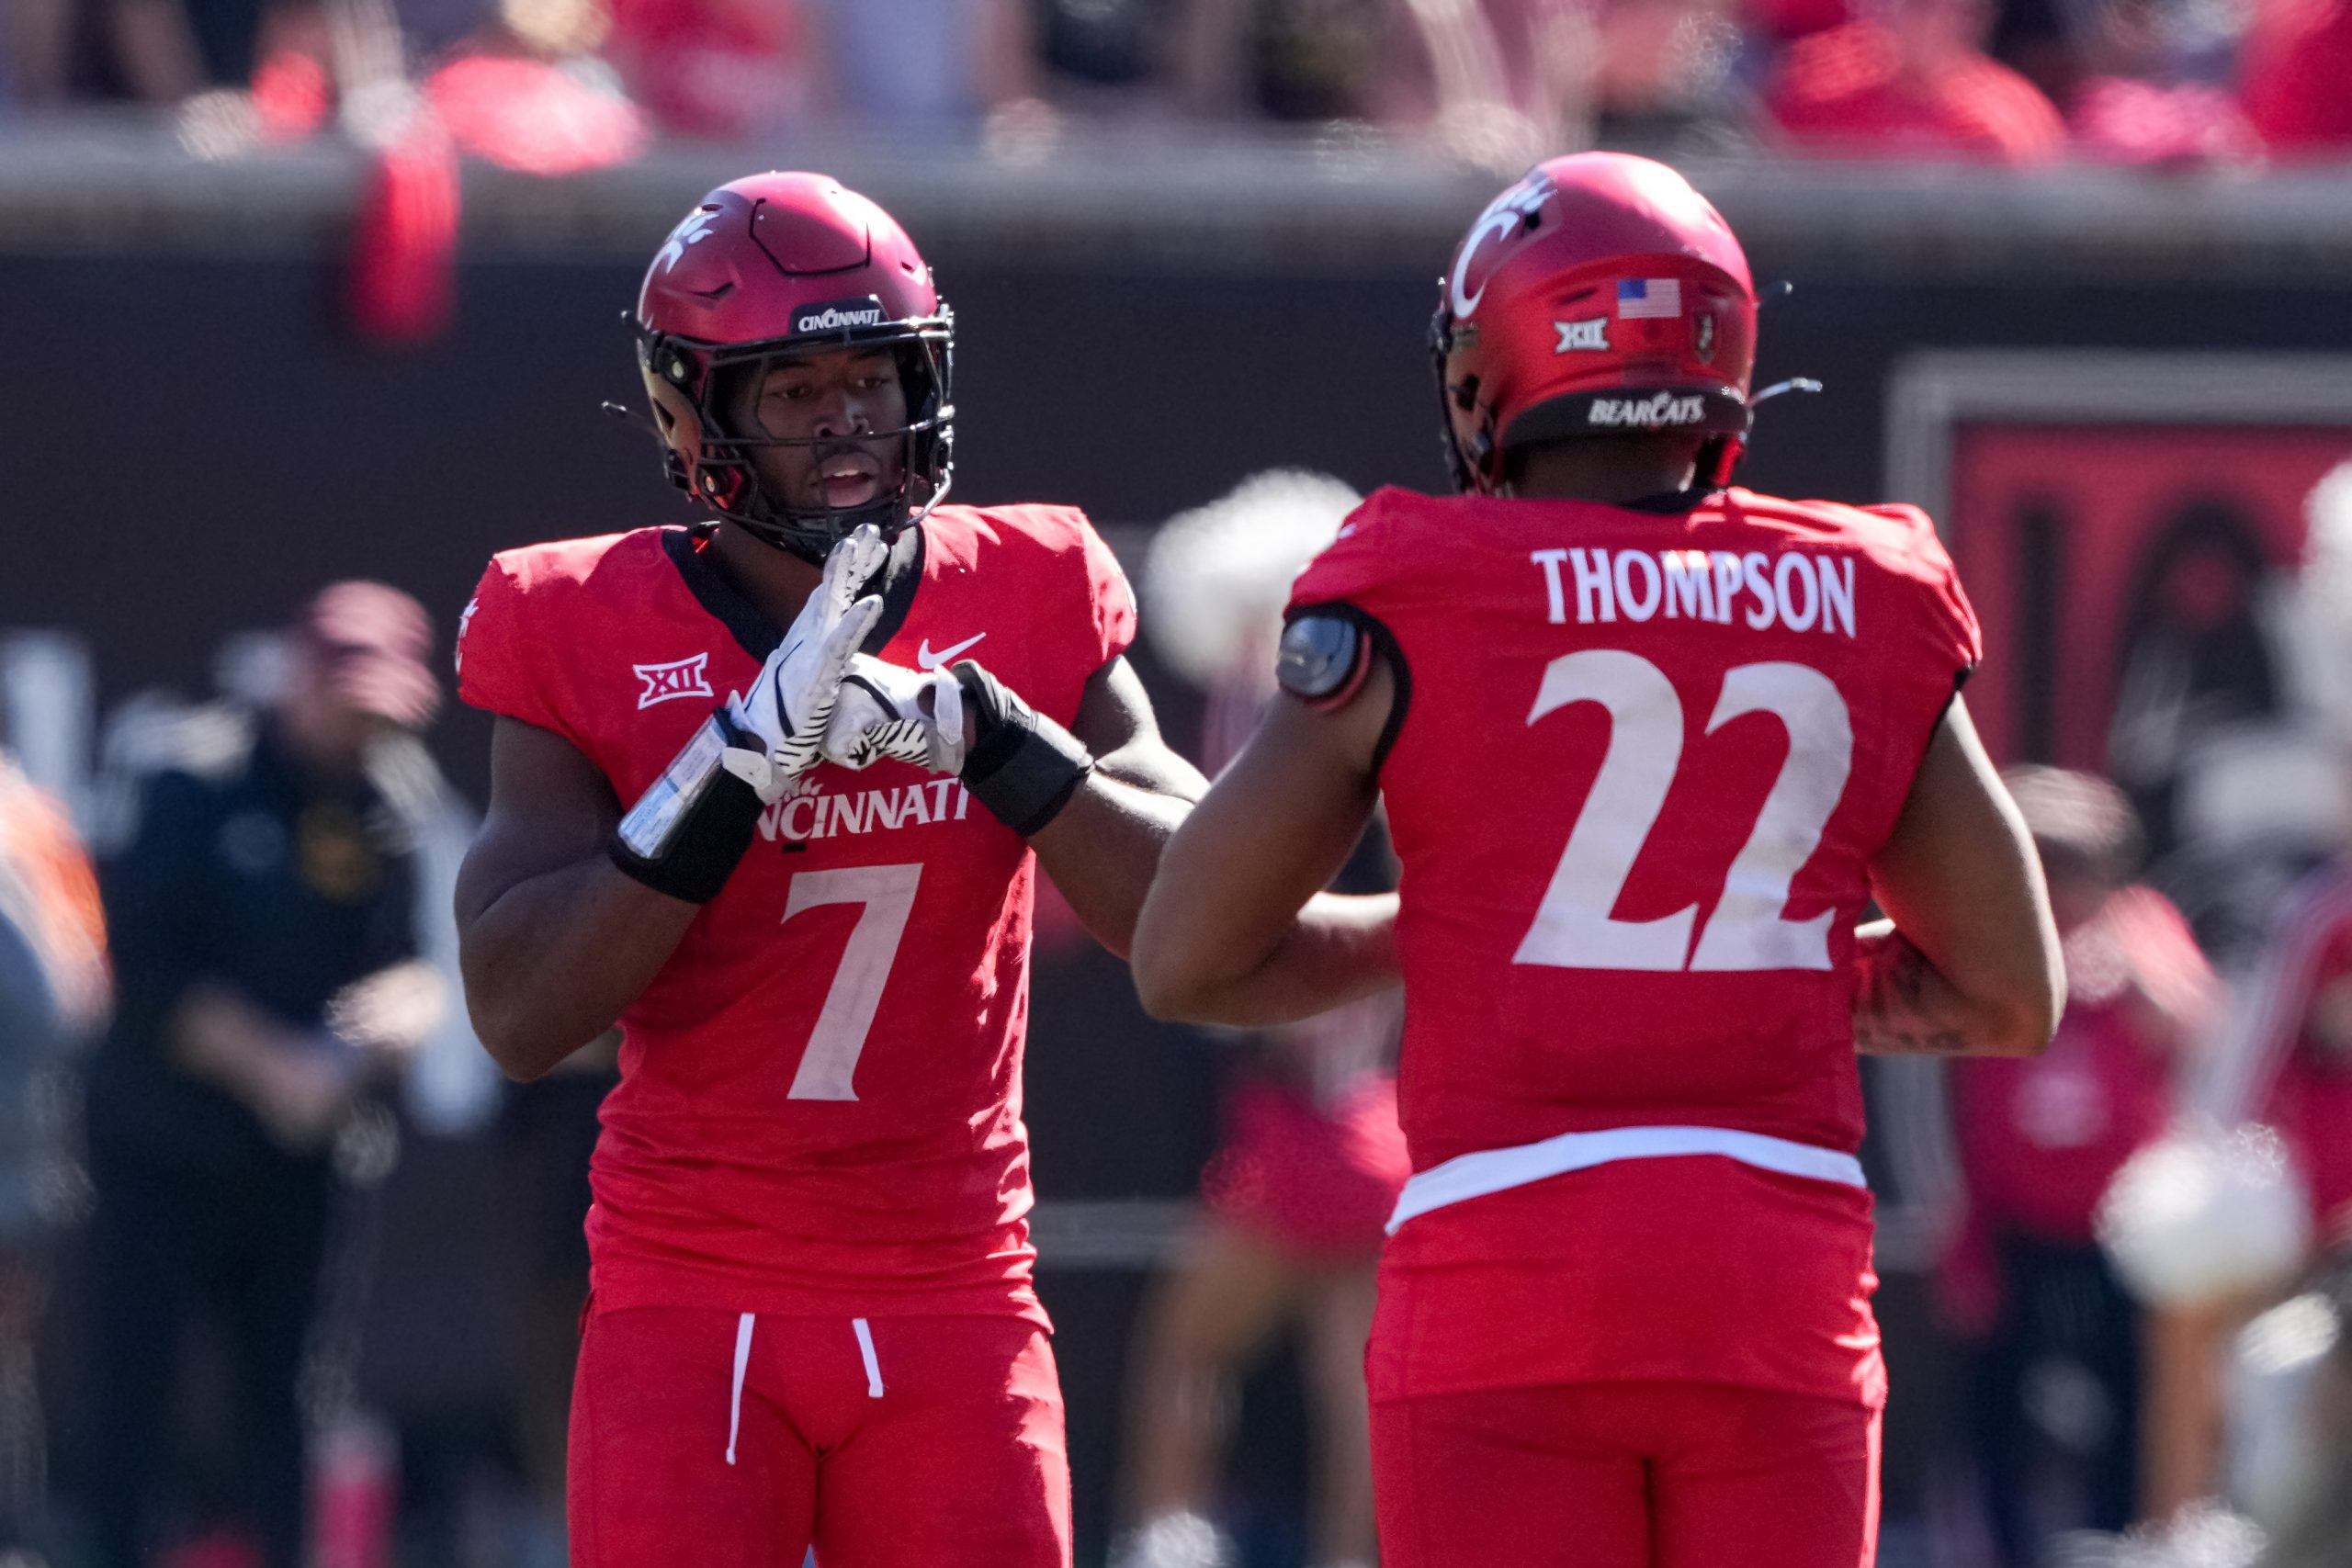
x=819, y=1104
x=1641, y=766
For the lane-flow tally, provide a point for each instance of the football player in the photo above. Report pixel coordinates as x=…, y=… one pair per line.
x=1648, y=744
x=812, y=1317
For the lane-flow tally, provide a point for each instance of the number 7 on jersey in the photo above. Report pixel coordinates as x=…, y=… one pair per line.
x=887, y=895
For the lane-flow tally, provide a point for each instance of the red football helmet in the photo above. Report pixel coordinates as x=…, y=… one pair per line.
x=780, y=265
x=1598, y=296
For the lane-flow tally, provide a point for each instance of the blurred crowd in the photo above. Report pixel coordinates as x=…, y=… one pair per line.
x=550, y=85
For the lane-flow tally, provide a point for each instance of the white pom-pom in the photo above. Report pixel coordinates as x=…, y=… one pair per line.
x=1216, y=577
x=2201, y=1216
x=1174, y=1540
x=2203, y=1535
x=2327, y=564
x=2311, y=614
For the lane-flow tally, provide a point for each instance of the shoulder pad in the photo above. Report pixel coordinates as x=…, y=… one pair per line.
x=1322, y=655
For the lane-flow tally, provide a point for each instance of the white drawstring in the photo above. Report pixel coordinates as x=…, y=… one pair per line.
x=735, y=1403
x=865, y=1349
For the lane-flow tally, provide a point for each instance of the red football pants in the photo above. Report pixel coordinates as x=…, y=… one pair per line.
x=1625, y=1475
x=713, y=1439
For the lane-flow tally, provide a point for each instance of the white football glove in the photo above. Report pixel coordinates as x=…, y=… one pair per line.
x=886, y=710
x=783, y=713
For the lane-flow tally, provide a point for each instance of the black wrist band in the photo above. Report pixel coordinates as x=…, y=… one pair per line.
x=688, y=830
x=1021, y=766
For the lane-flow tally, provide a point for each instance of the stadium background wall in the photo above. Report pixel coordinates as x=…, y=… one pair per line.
x=193, y=442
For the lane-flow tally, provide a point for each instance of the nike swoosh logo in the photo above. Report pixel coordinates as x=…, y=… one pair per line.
x=930, y=660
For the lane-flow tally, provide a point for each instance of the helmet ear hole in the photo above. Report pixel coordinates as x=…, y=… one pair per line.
x=676, y=420
x=680, y=432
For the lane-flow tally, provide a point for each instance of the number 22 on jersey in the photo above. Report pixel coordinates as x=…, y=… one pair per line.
x=1574, y=926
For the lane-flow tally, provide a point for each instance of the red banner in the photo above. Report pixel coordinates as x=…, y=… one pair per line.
x=2085, y=546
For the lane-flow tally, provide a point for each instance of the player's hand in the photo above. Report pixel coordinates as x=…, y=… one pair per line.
x=886, y=711
x=784, y=712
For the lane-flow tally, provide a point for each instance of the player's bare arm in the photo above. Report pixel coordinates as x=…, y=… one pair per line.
x=1099, y=802
x=1228, y=934
x=1101, y=848
x=554, y=940
x=1968, y=964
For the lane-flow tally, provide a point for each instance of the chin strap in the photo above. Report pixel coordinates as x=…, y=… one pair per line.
x=1718, y=458
x=1781, y=389
x=795, y=533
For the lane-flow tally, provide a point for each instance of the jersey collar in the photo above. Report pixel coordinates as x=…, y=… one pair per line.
x=1673, y=503
x=752, y=629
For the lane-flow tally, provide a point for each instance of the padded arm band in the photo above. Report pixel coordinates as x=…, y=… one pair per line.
x=1325, y=655
x=1021, y=765
x=692, y=824
x=1323, y=659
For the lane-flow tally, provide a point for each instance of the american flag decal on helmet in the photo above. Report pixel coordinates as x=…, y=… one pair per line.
x=1649, y=299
